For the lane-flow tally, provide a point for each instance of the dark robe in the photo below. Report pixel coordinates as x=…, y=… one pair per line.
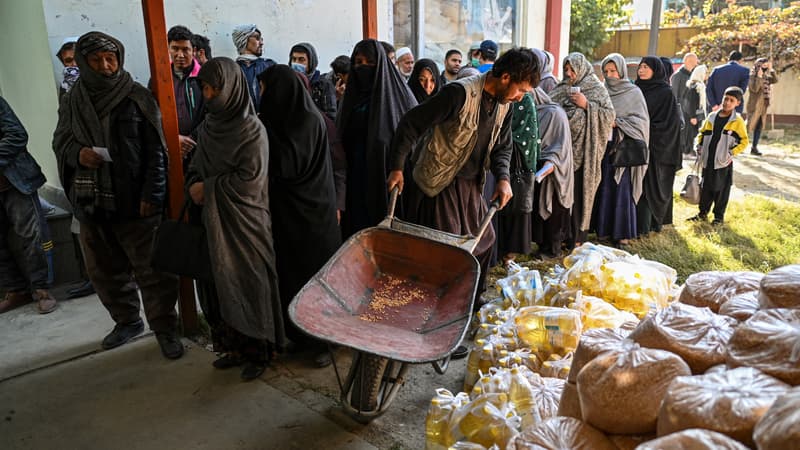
x=302, y=194
x=655, y=207
x=231, y=161
x=375, y=99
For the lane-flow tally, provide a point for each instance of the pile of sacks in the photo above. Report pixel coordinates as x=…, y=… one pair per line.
x=719, y=369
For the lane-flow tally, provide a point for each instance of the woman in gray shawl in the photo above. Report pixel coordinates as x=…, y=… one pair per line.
x=591, y=117
x=547, y=81
x=228, y=177
x=621, y=187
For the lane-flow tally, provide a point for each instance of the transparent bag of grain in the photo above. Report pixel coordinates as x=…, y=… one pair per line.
x=593, y=343
x=741, y=307
x=694, y=439
x=561, y=433
x=779, y=428
x=629, y=441
x=570, y=405
x=713, y=288
x=620, y=391
x=781, y=288
x=695, y=334
x=731, y=402
x=769, y=341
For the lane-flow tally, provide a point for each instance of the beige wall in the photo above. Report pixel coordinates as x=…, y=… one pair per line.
x=26, y=78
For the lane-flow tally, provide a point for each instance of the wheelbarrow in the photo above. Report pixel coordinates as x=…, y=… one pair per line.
x=432, y=278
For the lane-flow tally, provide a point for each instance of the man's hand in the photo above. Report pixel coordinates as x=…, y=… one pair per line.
x=340, y=85
x=187, y=145
x=147, y=209
x=338, y=216
x=88, y=158
x=693, y=121
x=196, y=192
x=503, y=193
x=395, y=179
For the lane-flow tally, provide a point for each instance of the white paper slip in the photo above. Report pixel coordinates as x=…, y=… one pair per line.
x=103, y=152
x=546, y=170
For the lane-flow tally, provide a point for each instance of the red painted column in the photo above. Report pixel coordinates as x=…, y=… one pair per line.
x=155, y=28
x=552, y=31
x=369, y=19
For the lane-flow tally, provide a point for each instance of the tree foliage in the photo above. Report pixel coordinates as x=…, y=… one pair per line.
x=773, y=33
x=591, y=20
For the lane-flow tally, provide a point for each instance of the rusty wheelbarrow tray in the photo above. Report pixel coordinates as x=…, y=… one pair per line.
x=338, y=305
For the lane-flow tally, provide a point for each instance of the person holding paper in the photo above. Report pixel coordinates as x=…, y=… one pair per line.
x=119, y=203
x=621, y=187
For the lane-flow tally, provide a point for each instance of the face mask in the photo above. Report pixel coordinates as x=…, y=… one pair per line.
x=300, y=68
x=365, y=75
x=476, y=62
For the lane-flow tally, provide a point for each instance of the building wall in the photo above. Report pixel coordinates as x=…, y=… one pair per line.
x=26, y=80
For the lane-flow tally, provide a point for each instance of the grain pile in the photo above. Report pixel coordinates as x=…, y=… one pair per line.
x=391, y=294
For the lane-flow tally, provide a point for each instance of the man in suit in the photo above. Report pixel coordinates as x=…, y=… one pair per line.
x=725, y=76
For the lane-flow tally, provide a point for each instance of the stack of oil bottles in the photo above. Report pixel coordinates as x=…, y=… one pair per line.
x=524, y=340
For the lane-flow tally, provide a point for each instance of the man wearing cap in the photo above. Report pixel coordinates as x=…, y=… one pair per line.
x=487, y=55
x=112, y=158
x=250, y=45
x=473, y=54
x=405, y=62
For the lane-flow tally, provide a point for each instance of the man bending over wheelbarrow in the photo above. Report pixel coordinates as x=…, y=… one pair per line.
x=455, y=137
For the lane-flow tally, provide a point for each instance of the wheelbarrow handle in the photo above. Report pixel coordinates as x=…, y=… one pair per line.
x=392, y=202
x=487, y=220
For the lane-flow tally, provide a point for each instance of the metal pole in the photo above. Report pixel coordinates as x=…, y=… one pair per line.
x=155, y=28
x=655, y=25
x=418, y=45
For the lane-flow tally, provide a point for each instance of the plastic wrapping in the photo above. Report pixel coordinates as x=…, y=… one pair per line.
x=487, y=420
x=523, y=287
x=781, y=288
x=712, y=289
x=437, y=421
x=549, y=330
x=569, y=405
x=741, y=307
x=620, y=391
x=694, y=439
x=636, y=285
x=695, y=334
x=556, y=366
x=779, y=428
x=546, y=395
x=730, y=402
x=770, y=342
x=597, y=313
x=561, y=433
x=592, y=344
x=629, y=442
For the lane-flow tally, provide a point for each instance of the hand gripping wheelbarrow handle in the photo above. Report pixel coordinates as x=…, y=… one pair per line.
x=470, y=242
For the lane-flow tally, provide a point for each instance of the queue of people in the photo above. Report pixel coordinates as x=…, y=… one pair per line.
x=282, y=163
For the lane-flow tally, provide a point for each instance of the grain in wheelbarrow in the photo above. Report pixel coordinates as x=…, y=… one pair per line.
x=392, y=293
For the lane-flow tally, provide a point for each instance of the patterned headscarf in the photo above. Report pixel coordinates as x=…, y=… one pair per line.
x=98, y=43
x=241, y=34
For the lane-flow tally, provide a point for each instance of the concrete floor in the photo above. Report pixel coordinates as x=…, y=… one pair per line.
x=59, y=390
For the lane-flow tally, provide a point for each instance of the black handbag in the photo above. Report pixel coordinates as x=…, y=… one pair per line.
x=630, y=152
x=181, y=248
x=522, y=185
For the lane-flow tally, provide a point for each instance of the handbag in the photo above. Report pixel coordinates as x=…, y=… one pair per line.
x=691, y=188
x=630, y=152
x=181, y=248
x=522, y=185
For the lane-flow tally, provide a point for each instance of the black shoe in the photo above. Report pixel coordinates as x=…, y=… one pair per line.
x=698, y=218
x=755, y=152
x=253, y=370
x=227, y=361
x=460, y=352
x=717, y=222
x=122, y=333
x=83, y=290
x=170, y=343
x=323, y=359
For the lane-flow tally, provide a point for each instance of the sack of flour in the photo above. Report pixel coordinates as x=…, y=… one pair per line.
x=712, y=289
x=770, y=342
x=561, y=433
x=781, y=288
x=779, y=428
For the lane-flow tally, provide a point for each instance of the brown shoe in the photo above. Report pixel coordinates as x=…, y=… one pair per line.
x=14, y=300
x=46, y=301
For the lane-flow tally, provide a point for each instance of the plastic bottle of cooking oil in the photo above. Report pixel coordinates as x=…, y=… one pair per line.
x=437, y=422
x=547, y=329
x=480, y=359
x=484, y=420
x=521, y=396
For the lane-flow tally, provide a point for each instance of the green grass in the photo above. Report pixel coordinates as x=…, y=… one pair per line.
x=760, y=234
x=790, y=142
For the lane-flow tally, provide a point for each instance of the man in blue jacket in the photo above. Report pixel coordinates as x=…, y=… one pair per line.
x=26, y=273
x=725, y=76
x=250, y=45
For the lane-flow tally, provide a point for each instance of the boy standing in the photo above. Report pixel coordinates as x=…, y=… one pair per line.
x=722, y=136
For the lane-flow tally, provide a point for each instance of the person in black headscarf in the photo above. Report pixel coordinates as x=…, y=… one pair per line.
x=668, y=68
x=228, y=178
x=375, y=99
x=302, y=195
x=655, y=206
x=424, y=81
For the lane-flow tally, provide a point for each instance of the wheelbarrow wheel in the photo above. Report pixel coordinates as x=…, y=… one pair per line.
x=373, y=384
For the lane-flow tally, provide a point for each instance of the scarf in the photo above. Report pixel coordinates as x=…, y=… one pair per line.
x=525, y=130
x=766, y=88
x=241, y=34
x=71, y=75
x=84, y=121
x=697, y=81
x=632, y=117
x=664, y=115
x=556, y=147
x=413, y=80
x=547, y=61
x=590, y=128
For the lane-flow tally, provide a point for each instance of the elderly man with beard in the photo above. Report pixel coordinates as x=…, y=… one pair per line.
x=250, y=45
x=112, y=163
x=303, y=59
x=469, y=121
